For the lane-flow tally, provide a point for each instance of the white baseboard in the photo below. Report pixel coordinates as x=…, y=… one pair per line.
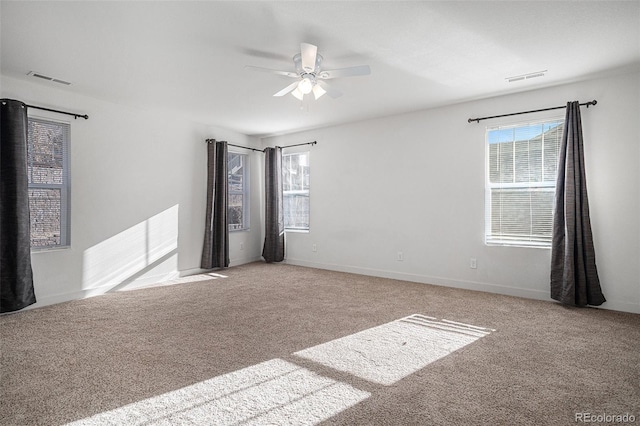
x=462, y=284
x=238, y=262
x=424, y=279
x=232, y=263
x=141, y=282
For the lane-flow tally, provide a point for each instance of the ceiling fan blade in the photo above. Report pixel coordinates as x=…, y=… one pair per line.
x=287, y=89
x=287, y=73
x=308, y=53
x=331, y=91
x=345, y=72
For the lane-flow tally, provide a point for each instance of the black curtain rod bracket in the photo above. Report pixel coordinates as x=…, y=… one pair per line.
x=477, y=120
x=75, y=116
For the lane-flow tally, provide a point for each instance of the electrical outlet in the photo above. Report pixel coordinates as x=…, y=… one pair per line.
x=314, y=248
x=241, y=246
x=400, y=257
x=473, y=264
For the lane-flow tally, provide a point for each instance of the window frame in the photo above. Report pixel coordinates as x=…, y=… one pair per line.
x=65, y=187
x=246, y=191
x=304, y=192
x=542, y=186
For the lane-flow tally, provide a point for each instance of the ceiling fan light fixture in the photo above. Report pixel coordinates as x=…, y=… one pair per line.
x=305, y=86
x=318, y=91
x=298, y=94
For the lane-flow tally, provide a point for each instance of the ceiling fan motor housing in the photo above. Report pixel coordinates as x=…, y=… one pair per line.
x=297, y=60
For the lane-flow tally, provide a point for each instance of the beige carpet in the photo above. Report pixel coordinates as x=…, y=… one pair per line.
x=279, y=344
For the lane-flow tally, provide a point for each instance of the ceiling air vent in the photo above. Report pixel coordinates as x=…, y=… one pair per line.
x=46, y=77
x=525, y=76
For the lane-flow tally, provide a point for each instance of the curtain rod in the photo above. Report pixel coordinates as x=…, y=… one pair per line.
x=245, y=147
x=85, y=116
x=477, y=120
x=261, y=150
x=300, y=144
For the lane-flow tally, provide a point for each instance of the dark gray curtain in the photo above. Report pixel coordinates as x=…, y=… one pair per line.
x=273, y=250
x=16, y=277
x=215, y=253
x=574, y=277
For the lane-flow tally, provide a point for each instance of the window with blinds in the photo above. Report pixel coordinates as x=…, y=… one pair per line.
x=48, y=176
x=522, y=163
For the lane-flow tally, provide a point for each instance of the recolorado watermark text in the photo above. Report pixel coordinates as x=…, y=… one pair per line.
x=604, y=418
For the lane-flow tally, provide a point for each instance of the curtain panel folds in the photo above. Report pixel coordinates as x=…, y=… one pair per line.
x=273, y=250
x=574, y=277
x=16, y=276
x=215, y=252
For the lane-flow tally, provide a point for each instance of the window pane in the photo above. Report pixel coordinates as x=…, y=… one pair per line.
x=522, y=214
x=236, y=172
x=46, y=209
x=296, y=211
x=46, y=152
x=238, y=212
x=295, y=172
x=235, y=211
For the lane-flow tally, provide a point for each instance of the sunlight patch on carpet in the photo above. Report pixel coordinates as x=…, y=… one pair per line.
x=274, y=392
x=392, y=351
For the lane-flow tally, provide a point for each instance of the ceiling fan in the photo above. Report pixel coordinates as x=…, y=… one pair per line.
x=310, y=76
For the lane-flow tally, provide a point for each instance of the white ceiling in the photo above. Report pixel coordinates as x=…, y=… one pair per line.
x=188, y=57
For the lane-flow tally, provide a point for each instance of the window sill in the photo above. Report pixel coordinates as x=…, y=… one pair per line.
x=519, y=245
x=297, y=231
x=49, y=249
x=240, y=230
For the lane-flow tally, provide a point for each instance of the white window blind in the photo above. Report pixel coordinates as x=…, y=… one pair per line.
x=295, y=176
x=48, y=176
x=521, y=170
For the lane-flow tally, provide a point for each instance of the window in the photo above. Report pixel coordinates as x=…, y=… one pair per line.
x=295, y=176
x=48, y=176
x=522, y=162
x=238, y=173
